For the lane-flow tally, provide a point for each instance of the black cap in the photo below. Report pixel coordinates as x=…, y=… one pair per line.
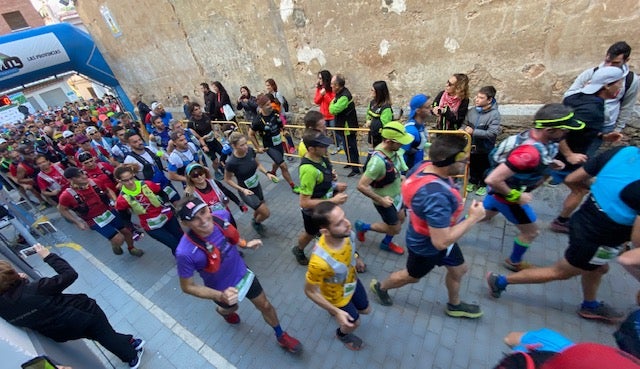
x=72, y=172
x=319, y=140
x=190, y=209
x=84, y=156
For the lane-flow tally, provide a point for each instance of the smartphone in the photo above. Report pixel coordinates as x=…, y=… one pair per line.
x=40, y=362
x=28, y=251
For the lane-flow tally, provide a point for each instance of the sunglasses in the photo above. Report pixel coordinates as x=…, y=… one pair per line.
x=197, y=174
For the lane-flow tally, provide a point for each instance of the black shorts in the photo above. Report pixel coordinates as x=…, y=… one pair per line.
x=254, y=291
x=588, y=230
x=389, y=215
x=276, y=153
x=359, y=302
x=418, y=266
x=309, y=226
x=254, y=201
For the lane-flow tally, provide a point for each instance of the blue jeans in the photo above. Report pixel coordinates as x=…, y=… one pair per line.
x=169, y=234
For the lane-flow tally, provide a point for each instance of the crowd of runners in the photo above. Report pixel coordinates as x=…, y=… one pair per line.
x=100, y=167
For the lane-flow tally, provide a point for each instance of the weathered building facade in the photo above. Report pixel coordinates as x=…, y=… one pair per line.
x=529, y=50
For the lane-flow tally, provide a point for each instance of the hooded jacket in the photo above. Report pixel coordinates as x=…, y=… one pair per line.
x=41, y=305
x=486, y=128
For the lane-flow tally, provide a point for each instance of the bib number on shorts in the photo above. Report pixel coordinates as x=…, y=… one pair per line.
x=104, y=218
x=604, y=254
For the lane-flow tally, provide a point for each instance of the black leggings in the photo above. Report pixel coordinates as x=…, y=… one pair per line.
x=101, y=331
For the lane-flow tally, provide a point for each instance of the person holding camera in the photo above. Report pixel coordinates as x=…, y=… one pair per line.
x=42, y=306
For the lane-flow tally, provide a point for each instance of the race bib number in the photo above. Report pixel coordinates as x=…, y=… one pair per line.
x=244, y=284
x=253, y=181
x=349, y=289
x=276, y=140
x=104, y=218
x=217, y=206
x=157, y=222
x=397, y=202
x=171, y=193
x=604, y=254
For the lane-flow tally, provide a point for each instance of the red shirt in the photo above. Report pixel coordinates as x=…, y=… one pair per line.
x=70, y=149
x=151, y=211
x=13, y=170
x=89, y=197
x=56, y=174
x=211, y=198
x=100, y=178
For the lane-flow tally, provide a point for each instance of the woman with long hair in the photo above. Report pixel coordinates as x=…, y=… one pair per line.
x=323, y=97
x=379, y=113
x=243, y=164
x=451, y=104
x=247, y=103
x=210, y=191
x=222, y=99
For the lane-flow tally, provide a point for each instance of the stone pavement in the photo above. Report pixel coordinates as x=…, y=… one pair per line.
x=182, y=331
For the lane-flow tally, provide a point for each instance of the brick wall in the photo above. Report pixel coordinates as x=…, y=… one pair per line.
x=29, y=13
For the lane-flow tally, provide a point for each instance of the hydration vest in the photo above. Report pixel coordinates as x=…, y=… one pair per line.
x=390, y=174
x=81, y=206
x=324, y=189
x=340, y=270
x=414, y=183
x=206, y=198
x=53, y=185
x=136, y=206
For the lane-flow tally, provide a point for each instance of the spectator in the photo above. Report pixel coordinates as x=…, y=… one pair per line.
x=450, y=105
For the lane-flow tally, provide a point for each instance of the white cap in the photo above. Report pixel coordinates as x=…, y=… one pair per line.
x=602, y=77
x=67, y=134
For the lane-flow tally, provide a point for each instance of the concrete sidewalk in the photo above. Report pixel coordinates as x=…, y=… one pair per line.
x=142, y=296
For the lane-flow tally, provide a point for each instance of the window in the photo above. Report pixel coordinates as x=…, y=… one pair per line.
x=15, y=20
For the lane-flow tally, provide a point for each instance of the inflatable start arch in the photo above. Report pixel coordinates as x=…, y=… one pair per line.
x=38, y=53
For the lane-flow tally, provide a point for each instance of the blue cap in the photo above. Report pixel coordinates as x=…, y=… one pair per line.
x=416, y=103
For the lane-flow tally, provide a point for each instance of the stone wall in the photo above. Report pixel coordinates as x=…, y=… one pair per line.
x=529, y=50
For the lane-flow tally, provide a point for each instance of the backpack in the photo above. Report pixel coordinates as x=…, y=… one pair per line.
x=143, y=109
x=213, y=252
x=147, y=167
x=82, y=208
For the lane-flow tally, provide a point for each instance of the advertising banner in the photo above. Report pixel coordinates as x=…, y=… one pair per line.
x=30, y=54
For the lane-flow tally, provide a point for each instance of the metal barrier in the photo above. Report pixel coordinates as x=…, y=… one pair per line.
x=296, y=132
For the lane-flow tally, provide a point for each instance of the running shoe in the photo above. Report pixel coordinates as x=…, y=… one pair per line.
x=360, y=233
x=289, y=343
x=137, y=343
x=516, y=267
x=258, y=227
x=135, y=363
x=602, y=312
x=492, y=281
x=471, y=187
x=481, y=191
x=463, y=310
x=351, y=341
x=301, y=258
x=116, y=249
x=135, y=252
x=392, y=247
x=383, y=296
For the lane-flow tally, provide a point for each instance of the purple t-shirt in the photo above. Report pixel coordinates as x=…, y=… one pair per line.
x=190, y=258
